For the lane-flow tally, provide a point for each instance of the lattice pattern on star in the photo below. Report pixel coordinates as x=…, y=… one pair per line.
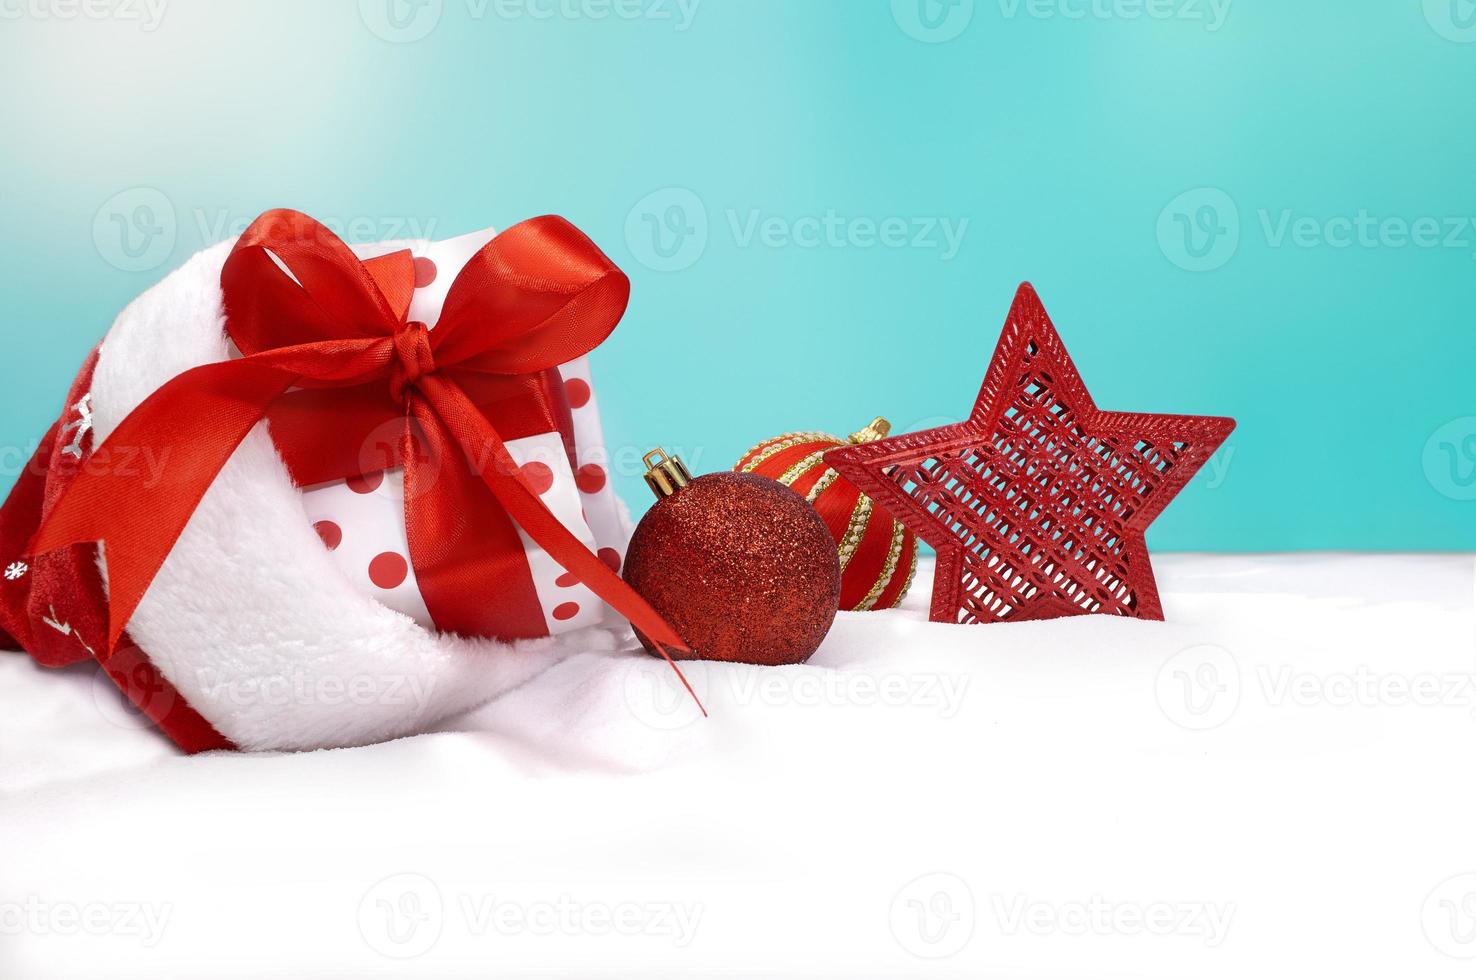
x=1038, y=502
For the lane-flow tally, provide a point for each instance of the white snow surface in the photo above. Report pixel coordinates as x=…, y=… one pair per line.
x=1279, y=781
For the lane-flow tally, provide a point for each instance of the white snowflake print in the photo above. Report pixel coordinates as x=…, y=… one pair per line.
x=16, y=569
x=81, y=427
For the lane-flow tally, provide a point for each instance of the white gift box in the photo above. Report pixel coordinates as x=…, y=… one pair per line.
x=362, y=521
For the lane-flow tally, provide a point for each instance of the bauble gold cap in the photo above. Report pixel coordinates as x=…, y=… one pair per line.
x=879, y=428
x=665, y=475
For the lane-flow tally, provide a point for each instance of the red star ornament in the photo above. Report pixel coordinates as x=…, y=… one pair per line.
x=1037, y=504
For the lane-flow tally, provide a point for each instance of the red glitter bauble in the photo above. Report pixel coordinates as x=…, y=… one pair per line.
x=741, y=567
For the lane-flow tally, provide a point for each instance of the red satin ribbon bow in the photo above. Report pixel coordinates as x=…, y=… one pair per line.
x=307, y=314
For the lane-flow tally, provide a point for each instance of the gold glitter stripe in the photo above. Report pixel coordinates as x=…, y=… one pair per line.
x=780, y=443
x=822, y=485
x=907, y=587
x=859, y=518
x=803, y=466
x=894, y=556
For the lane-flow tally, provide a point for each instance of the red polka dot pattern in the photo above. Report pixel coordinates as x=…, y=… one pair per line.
x=567, y=580
x=611, y=557
x=567, y=610
x=331, y=534
x=425, y=272
x=538, y=476
x=591, y=478
x=389, y=570
x=577, y=391
x=368, y=483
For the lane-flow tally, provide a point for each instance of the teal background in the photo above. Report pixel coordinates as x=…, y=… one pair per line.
x=1062, y=142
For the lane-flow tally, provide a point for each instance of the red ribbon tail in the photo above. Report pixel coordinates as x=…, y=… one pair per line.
x=661, y=649
x=136, y=492
x=487, y=456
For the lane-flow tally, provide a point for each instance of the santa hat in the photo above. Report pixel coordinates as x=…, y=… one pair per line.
x=255, y=633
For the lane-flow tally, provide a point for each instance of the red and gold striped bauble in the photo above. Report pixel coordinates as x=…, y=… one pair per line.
x=878, y=556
